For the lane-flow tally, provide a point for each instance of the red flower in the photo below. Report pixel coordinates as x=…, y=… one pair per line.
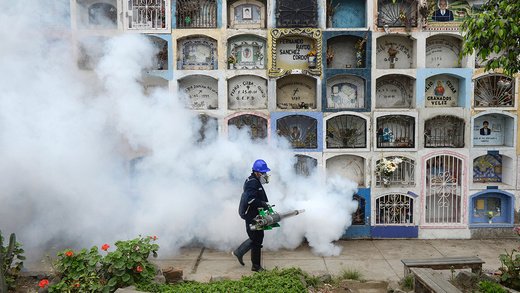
x=43, y=283
x=77, y=285
x=139, y=269
x=69, y=253
x=105, y=247
x=153, y=237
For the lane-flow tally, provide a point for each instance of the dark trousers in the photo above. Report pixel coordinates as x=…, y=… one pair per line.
x=253, y=243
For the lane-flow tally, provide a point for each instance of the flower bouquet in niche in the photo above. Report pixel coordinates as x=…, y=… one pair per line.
x=386, y=167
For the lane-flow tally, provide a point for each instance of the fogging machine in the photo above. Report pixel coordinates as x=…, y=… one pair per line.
x=268, y=219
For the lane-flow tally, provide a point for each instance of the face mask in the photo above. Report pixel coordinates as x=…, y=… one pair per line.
x=264, y=178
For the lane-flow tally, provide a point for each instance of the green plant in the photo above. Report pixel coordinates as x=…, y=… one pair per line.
x=407, y=282
x=88, y=271
x=490, y=287
x=350, y=274
x=9, y=267
x=276, y=280
x=510, y=269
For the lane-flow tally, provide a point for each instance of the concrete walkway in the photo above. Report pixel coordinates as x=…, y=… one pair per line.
x=375, y=259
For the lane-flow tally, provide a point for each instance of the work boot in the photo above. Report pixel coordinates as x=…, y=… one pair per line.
x=256, y=256
x=241, y=250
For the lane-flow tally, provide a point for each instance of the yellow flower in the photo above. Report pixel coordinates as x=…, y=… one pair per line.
x=312, y=53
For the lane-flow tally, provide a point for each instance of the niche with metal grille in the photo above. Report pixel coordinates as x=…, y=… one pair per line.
x=443, y=201
x=196, y=14
x=257, y=126
x=395, y=131
x=494, y=90
x=404, y=175
x=394, y=208
x=147, y=14
x=296, y=13
x=300, y=130
x=397, y=13
x=346, y=131
x=444, y=131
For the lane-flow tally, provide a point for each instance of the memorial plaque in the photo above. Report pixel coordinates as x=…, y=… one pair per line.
x=247, y=53
x=442, y=91
x=394, y=53
x=247, y=14
x=296, y=92
x=487, y=168
x=442, y=52
x=349, y=167
x=292, y=52
x=199, y=92
x=346, y=92
x=198, y=54
x=247, y=92
x=394, y=91
x=489, y=130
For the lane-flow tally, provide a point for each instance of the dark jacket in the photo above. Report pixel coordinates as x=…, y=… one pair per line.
x=253, y=197
x=437, y=16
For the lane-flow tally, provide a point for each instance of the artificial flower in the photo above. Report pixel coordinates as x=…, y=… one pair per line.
x=105, y=247
x=69, y=253
x=43, y=283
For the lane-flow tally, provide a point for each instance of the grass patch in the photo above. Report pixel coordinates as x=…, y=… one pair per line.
x=407, y=282
x=350, y=274
x=276, y=280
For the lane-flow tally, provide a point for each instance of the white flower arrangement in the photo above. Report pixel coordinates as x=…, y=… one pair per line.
x=385, y=168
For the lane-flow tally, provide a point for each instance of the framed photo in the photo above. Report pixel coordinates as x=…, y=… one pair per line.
x=247, y=12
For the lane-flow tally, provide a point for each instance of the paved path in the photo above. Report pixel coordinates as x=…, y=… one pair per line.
x=375, y=259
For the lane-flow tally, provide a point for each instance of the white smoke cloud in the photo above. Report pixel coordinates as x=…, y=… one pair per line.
x=66, y=136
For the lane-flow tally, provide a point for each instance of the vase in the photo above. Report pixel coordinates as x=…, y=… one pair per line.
x=490, y=221
x=312, y=61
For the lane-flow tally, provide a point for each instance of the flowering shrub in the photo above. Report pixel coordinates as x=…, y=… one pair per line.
x=88, y=271
x=385, y=168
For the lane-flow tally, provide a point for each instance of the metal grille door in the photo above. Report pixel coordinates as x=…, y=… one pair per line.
x=196, y=14
x=394, y=209
x=443, y=201
x=147, y=14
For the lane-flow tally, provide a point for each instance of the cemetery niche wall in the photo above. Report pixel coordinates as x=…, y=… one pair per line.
x=247, y=92
x=199, y=92
x=296, y=91
x=494, y=129
x=247, y=14
x=442, y=51
x=395, y=91
x=295, y=49
x=197, y=53
x=256, y=125
x=95, y=14
x=246, y=52
x=346, y=13
x=300, y=130
x=442, y=91
x=395, y=52
x=347, y=166
x=296, y=13
x=494, y=90
x=345, y=92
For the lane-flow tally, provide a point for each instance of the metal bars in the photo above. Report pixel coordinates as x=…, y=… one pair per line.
x=443, y=202
x=196, y=14
x=147, y=14
x=394, y=208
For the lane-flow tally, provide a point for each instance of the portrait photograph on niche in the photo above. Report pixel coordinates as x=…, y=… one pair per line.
x=445, y=11
x=488, y=131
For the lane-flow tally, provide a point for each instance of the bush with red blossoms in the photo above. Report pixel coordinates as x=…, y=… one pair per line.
x=89, y=271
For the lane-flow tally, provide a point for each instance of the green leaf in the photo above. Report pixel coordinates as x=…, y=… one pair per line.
x=112, y=282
